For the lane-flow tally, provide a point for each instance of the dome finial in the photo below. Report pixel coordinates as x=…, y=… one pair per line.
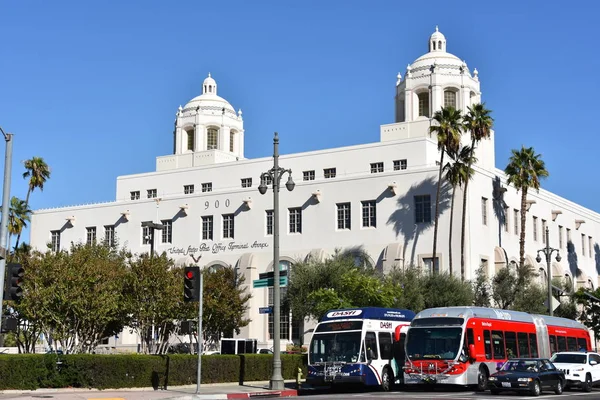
x=436, y=29
x=209, y=72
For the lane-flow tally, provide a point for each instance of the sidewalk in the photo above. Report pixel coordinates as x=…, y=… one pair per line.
x=207, y=391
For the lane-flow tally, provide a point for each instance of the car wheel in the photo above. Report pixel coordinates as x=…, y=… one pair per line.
x=536, y=390
x=386, y=380
x=587, y=385
x=494, y=391
x=482, y=380
x=559, y=387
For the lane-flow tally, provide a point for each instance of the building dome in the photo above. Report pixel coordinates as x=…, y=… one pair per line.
x=209, y=100
x=437, y=57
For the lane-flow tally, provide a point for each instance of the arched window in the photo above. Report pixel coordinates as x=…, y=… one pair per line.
x=423, y=104
x=212, y=136
x=449, y=98
x=231, y=140
x=440, y=45
x=434, y=45
x=190, y=139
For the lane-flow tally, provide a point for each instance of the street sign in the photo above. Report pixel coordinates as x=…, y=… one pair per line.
x=265, y=310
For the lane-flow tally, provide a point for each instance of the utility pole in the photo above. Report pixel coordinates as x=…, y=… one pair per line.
x=4, y=251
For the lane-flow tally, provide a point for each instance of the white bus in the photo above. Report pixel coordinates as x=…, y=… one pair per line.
x=359, y=345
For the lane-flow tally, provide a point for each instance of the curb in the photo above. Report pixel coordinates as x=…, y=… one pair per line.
x=249, y=395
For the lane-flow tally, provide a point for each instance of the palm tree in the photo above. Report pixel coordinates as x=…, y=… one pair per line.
x=525, y=169
x=18, y=216
x=478, y=122
x=457, y=173
x=448, y=131
x=38, y=173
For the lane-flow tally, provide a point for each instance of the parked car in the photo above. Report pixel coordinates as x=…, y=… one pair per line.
x=581, y=369
x=264, y=351
x=531, y=375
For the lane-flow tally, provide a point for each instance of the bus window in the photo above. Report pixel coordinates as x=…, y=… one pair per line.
x=572, y=344
x=385, y=345
x=553, y=348
x=562, y=343
x=512, y=350
x=371, y=345
x=498, y=345
x=523, y=345
x=470, y=337
x=581, y=344
x=487, y=340
x=533, y=345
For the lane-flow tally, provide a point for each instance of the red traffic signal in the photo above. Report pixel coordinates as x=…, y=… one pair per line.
x=191, y=284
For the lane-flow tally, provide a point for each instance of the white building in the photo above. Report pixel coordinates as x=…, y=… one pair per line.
x=378, y=197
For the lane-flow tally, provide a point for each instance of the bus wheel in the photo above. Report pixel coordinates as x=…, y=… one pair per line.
x=482, y=379
x=386, y=380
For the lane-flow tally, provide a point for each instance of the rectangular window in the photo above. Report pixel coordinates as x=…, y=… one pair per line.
x=571, y=344
x=385, y=345
x=207, y=187
x=151, y=193
x=145, y=233
x=560, y=237
x=568, y=237
x=267, y=180
x=506, y=218
x=135, y=195
x=543, y=231
x=484, y=210
x=343, y=215
x=371, y=345
x=517, y=220
x=329, y=173
x=429, y=266
x=535, y=229
x=590, y=246
x=562, y=343
x=523, y=345
x=212, y=135
x=227, y=226
x=207, y=227
x=284, y=316
x=246, y=182
x=308, y=175
x=231, y=141
x=376, y=167
x=498, y=345
x=369, y=214
x=487, y=343
x=190, y=139
x=167, y=231
x=512, y=350
x=399, y=164
x=423, y=104
x=449, y=98
x=91, y=235
x=533, y=345
x=583, y=244
x=295, y=220
x=109, y=235
x=55, y=235
x=188, y=189
x=582, y=343
x=553, y=347
x=269, y=224
x=423, y=209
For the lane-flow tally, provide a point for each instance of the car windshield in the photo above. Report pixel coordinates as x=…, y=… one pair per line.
x=569, y=358
x=335, y=347
x=433, y=343
x=520, y=365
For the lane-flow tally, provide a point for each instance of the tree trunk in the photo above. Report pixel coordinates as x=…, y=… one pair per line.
x=450, y=233
x=464, y=216
x=523, y=222
x=437, y=211
x=26, y=205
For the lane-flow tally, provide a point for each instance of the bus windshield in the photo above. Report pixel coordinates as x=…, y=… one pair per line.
x=335, y=347
x=433, y=343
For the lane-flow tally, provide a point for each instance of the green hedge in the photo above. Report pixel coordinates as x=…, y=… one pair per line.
x=32, y=371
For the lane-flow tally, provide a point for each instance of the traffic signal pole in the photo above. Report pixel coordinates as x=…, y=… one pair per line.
x=200, y=336
x=5, y=209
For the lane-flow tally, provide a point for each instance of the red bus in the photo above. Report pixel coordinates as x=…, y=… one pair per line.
x=463, y=345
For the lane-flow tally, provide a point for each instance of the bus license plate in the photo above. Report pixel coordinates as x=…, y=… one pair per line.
x=506, y=384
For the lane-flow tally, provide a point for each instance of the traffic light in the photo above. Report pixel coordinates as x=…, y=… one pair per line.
x=13, y=289
x=191, y=284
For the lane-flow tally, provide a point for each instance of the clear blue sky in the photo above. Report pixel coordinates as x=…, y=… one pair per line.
x=93, y=87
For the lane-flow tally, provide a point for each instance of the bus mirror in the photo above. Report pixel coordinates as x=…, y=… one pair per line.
x=472, y=354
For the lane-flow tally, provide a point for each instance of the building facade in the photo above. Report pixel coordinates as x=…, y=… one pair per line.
x=377, y=198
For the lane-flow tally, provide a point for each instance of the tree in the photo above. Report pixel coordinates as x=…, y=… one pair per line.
x=448, y=131
x=457, y=173
x=38, y=173
x=445, y=290
x=410, y=282
x=478, y=122
x=568, y=304
x=516, y=289
x=18, y=216
x=524, y=171
x=504, y=288
x=590, y=309
x=481, y=288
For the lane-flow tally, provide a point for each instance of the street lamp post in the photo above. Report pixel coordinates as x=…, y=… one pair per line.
x=4, y=245
x=276, y=173
x=547, y=251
